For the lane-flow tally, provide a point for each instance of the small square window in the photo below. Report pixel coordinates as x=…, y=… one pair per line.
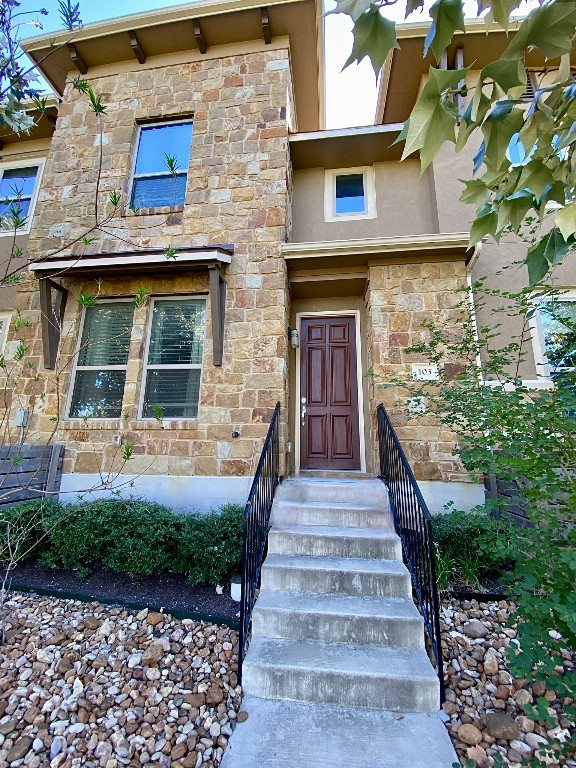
x=18, y=189
x=155, y=183
x=174, y=359
x=350, y=195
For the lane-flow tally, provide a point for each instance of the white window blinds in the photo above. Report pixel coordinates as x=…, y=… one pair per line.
x=174, y=360
x=102, y=359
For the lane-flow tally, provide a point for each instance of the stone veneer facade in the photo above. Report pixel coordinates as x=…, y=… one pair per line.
x=400, y=298
x=236, y=193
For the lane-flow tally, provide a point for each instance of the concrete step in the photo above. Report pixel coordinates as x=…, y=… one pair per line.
x=331, y=541
x=396, y=679
x=368, y=492
x=338, y=619
x=341, y=575
x=286, y=734
x=334, y=513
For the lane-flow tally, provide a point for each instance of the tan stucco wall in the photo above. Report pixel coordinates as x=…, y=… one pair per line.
x=236, y=193
x=403, y=206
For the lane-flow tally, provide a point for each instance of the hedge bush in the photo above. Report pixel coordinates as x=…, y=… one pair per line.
x=471, y=547
x=132, y=536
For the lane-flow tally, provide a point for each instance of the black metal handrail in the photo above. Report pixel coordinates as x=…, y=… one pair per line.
x=414, y=526
x=256, y=527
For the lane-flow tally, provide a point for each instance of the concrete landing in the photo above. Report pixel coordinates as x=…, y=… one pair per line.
x=289, y=734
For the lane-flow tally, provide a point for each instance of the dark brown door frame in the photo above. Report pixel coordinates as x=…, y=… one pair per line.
x=357, y=461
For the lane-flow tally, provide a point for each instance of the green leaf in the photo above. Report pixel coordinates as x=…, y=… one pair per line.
x=501, y=10
x=447, y=17
x=485, y=224
x=352, y=8
x=498, y=129
x=433, y=118
x=536, y=176
x=375, y=37
x=544, y=255
x=566, y=220
x=513, y=210
x=413, y=5
x=475, y=192
x=549, y=28
x=507, y=73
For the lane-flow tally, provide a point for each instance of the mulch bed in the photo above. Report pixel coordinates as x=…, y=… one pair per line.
x=168, y=591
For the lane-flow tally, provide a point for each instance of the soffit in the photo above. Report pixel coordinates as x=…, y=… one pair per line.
x=345, y=148
x=405, y=67
x=43, y=127
x=171, y=30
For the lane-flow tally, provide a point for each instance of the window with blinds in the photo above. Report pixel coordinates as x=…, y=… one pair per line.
x=101, y=362
x=154, y=184
x=174, y=359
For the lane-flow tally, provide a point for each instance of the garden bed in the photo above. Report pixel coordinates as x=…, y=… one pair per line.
x=169, y=592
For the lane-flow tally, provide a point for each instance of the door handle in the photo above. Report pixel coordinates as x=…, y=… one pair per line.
x=303, y=411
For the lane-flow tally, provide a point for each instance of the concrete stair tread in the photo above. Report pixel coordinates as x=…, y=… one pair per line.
x=340, y=530
x=352, y=506
x=397, y=608
x=345, y=659
x=338, y=564
x=285, y=734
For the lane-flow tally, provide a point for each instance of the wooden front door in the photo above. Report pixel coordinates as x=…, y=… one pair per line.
x=329, y=425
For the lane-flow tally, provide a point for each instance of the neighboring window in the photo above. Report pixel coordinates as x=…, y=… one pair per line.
x=100, y=373
x=161, y=166
x=4, y=325
x=349, y=194
x=558, y=320
x=18, y=189
x=174, y=359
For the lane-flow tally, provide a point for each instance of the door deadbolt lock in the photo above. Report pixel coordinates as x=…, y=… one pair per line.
x=303, y=411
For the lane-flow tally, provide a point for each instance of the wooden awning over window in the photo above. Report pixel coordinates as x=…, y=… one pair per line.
x=53, y=295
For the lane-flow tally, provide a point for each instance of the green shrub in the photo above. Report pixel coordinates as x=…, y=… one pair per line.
x=211, y=547
x=22, y=528
x=471, y=546
x=129, y=536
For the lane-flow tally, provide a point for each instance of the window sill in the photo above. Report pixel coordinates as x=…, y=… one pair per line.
x=163, y=209
x=118, y=425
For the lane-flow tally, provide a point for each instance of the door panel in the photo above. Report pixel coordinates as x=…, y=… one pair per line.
x=329, y=423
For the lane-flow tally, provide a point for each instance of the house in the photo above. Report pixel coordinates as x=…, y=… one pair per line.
x=272, y=259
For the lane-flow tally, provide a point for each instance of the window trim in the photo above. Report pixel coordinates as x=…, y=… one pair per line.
x=9, y=165
x=5, y=315
x=543, y=370
x=160, y=174
x=76, y=367
x=181, y=366
x=330, y=175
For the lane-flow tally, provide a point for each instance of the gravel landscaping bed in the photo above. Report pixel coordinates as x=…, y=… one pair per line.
x=484, y=703
x=97, y=686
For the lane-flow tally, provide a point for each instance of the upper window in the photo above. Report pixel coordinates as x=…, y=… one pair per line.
x=18, y=191
x=161, y=166
x=349, y=194
x=102, y=360
x=174, y=359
